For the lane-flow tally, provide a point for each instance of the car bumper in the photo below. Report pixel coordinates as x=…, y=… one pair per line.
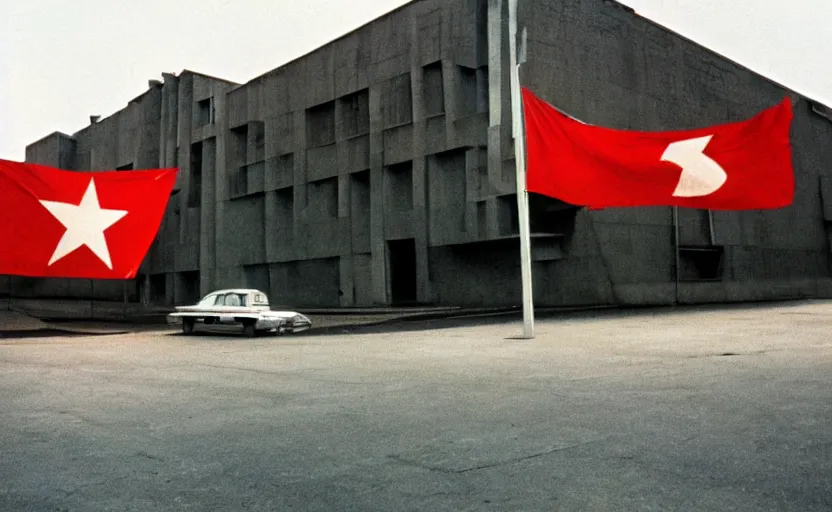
x=295, y=325
x=280, y=325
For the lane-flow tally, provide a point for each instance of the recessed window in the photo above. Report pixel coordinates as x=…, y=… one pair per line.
x=355, y=114
x=323, y=197
x=320, y=125
x=399, y=193
x=205, y=112
x=397, y=102
x=433, y=89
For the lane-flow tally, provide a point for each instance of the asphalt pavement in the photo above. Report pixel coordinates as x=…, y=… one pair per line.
x=699, y=409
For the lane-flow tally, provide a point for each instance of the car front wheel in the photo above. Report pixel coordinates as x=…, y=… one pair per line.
x=188, y=325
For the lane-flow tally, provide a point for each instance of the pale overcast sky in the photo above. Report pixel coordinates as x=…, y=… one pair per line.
x=62, y=60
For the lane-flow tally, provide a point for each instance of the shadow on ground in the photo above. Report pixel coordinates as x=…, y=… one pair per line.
x=516, y=316
x=343, y=324
x=41, y=333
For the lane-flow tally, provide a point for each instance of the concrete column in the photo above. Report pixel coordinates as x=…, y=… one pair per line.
x=347, y=283
x=345, y=271
x=167, y=148
x=450, y=77
x=499, y=113
x=378, y=246
x=472, y=169
x=300, y=233
x=170, y=288
x=183, y=133
x=208, y=213
x=168, y=134
x=270, y=226
x=420, y=206
x=219, y=179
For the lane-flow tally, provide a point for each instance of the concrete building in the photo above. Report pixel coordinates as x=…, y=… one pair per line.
x=379, y=169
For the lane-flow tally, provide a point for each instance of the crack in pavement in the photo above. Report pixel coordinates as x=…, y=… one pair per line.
x=515, y=460
x=287, y=374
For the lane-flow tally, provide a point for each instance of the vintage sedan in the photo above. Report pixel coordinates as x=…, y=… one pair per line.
x=241, y=307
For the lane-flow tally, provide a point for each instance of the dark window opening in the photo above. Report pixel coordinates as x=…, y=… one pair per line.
x=285, y=208
x=205, y=112
x=399, y=193
x=320, y=125
x=158, y=288
x=257, y=131
x=433, y=89
x=472, y=91
x=397, y=101
x=125, y=167
x=360, y=198
x=482, y=219
x=239, y=147
x=188, y=292
x=355, y=114
x=323, y=197
x=700, y=263
x=195, y=184
x=402, y=271
x=508, y=219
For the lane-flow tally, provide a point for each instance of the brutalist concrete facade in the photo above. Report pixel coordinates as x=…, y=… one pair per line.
x=379, y=170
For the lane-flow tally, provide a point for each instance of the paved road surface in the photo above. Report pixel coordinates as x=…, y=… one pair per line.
x=693, y=410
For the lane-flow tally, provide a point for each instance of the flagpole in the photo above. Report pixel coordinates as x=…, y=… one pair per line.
x=520, y=161
x=678, y=262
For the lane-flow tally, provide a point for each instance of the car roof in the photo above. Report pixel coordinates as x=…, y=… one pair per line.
x=235, y=290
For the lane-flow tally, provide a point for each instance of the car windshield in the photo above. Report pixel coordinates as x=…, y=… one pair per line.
x=208, y=300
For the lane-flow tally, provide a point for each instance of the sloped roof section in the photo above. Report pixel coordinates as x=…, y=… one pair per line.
x=822, y=110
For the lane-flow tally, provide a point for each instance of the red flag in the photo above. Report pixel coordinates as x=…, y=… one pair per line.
x=97, y=225
x=737, y=166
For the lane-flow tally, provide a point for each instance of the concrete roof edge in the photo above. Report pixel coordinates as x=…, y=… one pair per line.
x=136, y=99
x=788, y=90
x=821, y=109
x=59, y=133
x=332, y=41
x=205, y=75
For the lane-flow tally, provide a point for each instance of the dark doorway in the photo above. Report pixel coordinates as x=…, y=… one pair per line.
x=188, y=292
x=402, y=271
x=158, y=288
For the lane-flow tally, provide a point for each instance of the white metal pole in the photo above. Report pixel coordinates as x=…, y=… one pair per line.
x=678, y=263
x=520, y=159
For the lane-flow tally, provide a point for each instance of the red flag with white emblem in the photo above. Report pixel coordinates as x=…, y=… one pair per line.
x=96, y=225
x=745, y=165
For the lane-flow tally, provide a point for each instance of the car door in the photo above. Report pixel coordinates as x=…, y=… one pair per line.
x=226, y=317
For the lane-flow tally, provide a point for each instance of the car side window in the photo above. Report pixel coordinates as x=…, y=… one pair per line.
x=220, y=300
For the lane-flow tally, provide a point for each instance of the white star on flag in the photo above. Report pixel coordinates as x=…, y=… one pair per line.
x=85, y=224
